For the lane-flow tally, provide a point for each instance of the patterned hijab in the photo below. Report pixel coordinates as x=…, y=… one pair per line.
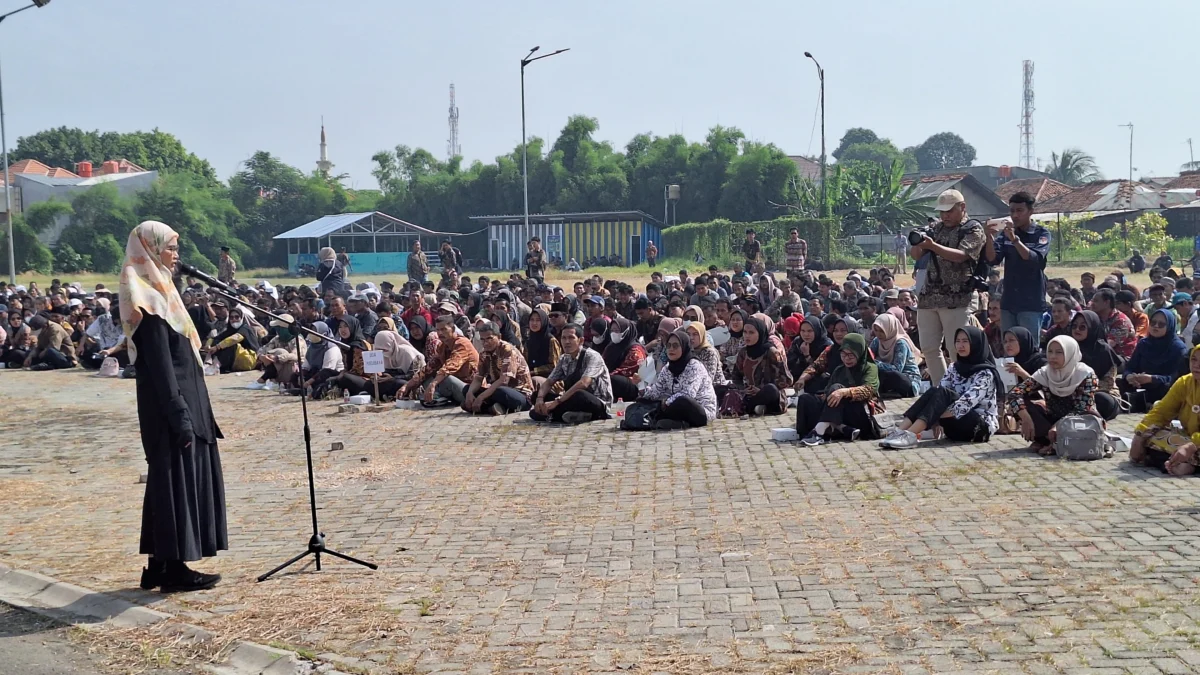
x=146, y=286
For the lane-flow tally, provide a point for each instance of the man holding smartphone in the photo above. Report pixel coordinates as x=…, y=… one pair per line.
x=1022, y=245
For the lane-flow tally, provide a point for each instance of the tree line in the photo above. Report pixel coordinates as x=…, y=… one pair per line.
x=725, y=176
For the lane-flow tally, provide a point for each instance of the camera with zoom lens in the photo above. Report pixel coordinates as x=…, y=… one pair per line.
x=918, y=235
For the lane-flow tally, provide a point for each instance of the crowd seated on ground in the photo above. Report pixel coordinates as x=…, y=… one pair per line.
x=756, y=342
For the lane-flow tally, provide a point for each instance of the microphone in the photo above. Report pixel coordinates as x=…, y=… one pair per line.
x=211, y=281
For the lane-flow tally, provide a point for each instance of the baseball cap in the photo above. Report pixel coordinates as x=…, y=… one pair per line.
x=75, y=302
x=949, y=199
x=447, y=306
x=595, y=299
x=287, y=321
x=358, y=297
x=1179, y=297
x=890, y=294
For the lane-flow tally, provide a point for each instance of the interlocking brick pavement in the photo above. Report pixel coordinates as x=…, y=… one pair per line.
x=510, y=547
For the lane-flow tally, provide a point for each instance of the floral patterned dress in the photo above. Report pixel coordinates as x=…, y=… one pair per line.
x=976, y=393
x=694, y=382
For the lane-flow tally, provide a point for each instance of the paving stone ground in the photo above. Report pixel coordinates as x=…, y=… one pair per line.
x=509, y=547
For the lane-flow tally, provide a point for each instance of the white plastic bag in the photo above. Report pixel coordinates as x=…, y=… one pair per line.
x=109, y=368
x=647, y=372
x=212, y=369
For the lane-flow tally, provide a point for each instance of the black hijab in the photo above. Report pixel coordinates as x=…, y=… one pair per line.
x=599, y=329
x=979, y=359
x=1030, y=358
x=356, y=340
x=537, y=345
x=420, y=322
x=615, y=352
x=507, y=332
x=1094, y=349
x=246, y=330
x=678, y=365
x=758, y=349
x=744, y=315
x=821, y=338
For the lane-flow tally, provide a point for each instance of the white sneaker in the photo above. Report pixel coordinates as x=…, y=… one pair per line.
x=893, y=434
x=256, y=386
x=271, y=386
x=906, y=439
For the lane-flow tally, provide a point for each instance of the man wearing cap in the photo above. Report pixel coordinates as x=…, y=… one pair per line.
x=751, y=250
x=944, y=303
x=594, y=306
x=1185, y=309
x=226, y=267
x=891, y=298
x=1022, y=246
x=367, y=319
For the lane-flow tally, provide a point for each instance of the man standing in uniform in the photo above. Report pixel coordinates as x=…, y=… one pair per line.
x=418, y=264
x=227, y=268
x=535, y=260
x=1022, y=246
x=751, y=250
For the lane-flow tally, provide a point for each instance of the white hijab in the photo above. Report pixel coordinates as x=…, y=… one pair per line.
x=1064, y=381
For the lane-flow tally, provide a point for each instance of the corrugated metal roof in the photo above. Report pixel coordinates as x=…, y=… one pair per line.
x=52, y=182
x=326, y=225
x=576, y=217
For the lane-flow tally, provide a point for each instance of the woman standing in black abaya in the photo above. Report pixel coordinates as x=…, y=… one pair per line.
x=183, y=515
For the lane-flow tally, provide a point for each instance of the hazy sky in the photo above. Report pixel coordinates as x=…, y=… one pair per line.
x=230, y=77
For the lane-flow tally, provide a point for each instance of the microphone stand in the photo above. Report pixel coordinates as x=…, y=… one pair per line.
x=316, y=543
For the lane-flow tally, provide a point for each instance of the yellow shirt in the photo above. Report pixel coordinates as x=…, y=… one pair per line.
x=1182, y=403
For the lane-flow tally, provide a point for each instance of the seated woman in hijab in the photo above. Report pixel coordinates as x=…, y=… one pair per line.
x=1155, y=364
x=683, y=388
x=693, y=313
x=401, y=361
x=18, y=342
x=702, y=350
x=810, y=342
x=760, y=374
x=1069, y=388
x=422, y=337
x=827, y=361
x=1155, y=442
x=850, y=402
x=278, y=358
x=508, y=332
x=965, y=405
x=897, y=357
x=354, y=378
x=623, y=356
x=1022, y=348
x=666, y=326
x=542, y=349
x=733, y=346
x=236, y=349
x=322, y=360
x=1097, y=354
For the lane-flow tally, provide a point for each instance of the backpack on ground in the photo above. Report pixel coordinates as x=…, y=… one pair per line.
x=1081, y=437
x=640, y=416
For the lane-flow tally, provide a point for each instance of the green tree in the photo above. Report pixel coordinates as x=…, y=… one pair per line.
x=28, y=253
x=757, y=179
x=67, y=260
x=1073, y=167
x=42, y=216
x=944, y=151
x=854, y=136
x=154, y=150
x=100, y=219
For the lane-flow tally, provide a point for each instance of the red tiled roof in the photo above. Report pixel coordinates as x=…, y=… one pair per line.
x=31, y=166
x=1081, y=198
x=59, y=172
x=1042, y=189
x=1188, y=180
x=935, y=179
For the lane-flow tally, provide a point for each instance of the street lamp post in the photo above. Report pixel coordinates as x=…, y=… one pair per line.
x=8, y=214
x=823, y=214
x=524, y=138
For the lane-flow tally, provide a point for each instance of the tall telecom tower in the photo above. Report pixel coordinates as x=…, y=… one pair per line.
x=452, y=146
x=1028, y=160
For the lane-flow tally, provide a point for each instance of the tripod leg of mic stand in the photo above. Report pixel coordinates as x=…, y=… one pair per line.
x=284, y=565
x=356, y=561
x=318, y=554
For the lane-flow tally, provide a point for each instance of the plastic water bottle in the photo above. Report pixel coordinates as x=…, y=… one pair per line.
x=620, y=407
x=345, y=396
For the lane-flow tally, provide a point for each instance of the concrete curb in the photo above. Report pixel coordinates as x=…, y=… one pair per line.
x=86, y=609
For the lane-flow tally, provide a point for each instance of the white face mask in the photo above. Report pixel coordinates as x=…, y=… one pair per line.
x=235, y=324
x=616, y=337
x=597, y=339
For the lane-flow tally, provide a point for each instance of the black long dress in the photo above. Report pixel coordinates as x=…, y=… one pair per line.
x=183, y=515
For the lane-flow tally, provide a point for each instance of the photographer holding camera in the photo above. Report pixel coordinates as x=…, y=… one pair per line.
x=944, y=302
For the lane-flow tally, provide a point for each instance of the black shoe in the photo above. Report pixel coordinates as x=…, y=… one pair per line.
x=152, y=576
x=851, y=434
x=182, y=579
x=39, y=367
x=671, y=425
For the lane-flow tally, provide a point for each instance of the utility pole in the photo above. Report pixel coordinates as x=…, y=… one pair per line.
x=524, y=139
x=1130, y=125
x=822, y=210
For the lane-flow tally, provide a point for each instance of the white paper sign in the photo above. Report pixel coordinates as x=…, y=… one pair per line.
x=372, y=362
x=718, y=336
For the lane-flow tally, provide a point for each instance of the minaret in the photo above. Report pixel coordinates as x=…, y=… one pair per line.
x=323, y=164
